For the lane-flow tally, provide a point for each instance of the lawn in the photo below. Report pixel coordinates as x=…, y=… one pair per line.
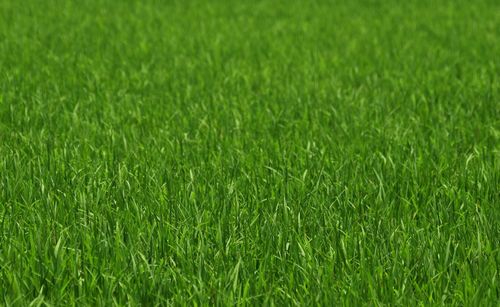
x=249, y=152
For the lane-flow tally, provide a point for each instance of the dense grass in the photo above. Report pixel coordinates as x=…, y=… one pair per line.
x=250, y=152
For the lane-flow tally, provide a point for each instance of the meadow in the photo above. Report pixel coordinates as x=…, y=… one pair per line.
x=249, y=152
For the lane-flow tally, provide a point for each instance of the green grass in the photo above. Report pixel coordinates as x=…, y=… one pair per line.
x=249, y=152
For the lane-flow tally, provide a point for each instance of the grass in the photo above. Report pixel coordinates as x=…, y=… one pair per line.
x=249, y=152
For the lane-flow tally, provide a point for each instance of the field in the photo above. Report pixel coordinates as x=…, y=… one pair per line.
x=249, y=152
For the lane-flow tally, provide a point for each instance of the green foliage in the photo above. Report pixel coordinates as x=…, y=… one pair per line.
x=249, y=152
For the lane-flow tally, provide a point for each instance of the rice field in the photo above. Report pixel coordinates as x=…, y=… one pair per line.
x=251, y=153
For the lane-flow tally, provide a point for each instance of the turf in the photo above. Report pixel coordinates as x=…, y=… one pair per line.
x=249, y=152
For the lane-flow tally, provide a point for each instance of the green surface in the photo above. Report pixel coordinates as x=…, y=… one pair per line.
x=249, y=152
